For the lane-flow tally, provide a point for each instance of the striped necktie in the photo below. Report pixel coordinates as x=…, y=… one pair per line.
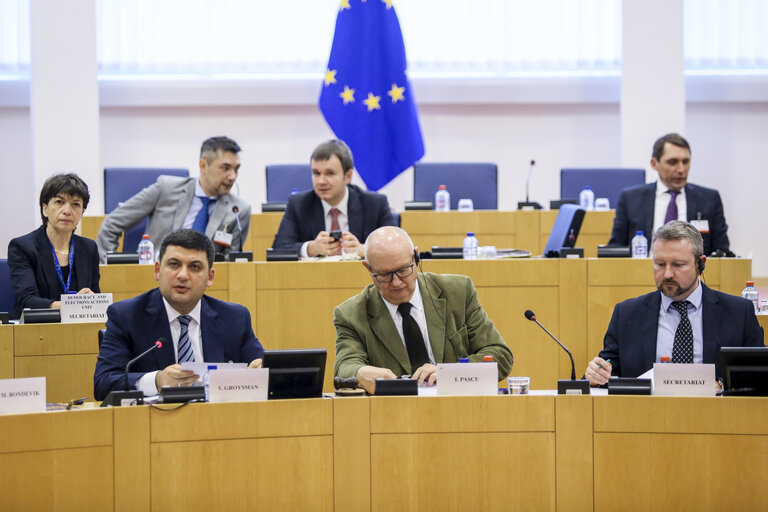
x=185, y=346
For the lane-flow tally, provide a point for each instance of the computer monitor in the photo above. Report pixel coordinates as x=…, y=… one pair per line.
x=745, y=371
x=295, y=373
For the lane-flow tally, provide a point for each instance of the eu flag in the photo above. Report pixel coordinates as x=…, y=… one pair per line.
x=366, y=98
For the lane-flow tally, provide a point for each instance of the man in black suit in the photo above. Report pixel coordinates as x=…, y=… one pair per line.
x=648, y=207
x=684, y=320
x=333, y=205
x=196, y=327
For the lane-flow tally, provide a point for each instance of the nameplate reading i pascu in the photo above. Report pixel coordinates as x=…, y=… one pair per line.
x=91, y=307
x=475, y=379
x=22, y=395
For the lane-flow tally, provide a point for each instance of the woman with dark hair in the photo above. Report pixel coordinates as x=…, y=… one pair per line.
x=52, y=260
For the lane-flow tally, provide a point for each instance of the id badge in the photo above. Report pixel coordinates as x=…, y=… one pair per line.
x=223, y=238
x=701, y=225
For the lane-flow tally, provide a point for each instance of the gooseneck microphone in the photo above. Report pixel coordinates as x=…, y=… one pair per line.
x=158, y=344
x=527, y=204
x=528, y=179
x=236, y=210
x=567, y=387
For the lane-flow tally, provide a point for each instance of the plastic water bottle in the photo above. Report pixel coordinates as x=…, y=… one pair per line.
x=470, y=247
x=146, y=251
x=207, y=380
x=587, y=198
x=639, y=245
x=442, y=200
x=750, y=293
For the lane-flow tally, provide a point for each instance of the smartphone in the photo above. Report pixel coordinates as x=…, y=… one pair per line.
x=336, y=235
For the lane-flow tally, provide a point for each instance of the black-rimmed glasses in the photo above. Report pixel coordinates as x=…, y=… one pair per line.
x=387, y=277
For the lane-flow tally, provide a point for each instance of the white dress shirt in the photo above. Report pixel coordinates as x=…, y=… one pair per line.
x=196, y=205
x=343, y=218
x=660, y=208
x=418, y=314
x=147, y=381
x=669, y=319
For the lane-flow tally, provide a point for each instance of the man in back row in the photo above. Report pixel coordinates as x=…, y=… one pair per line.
x=407, y=322
x=333, y=205
x=197, y=327
x=203, y=204
x=648, y=207
x=684, y=320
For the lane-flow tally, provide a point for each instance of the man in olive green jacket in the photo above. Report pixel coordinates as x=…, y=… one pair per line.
x=370, y=327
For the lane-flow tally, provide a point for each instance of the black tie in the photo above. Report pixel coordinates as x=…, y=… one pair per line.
x=414, y=341
x=682, y=349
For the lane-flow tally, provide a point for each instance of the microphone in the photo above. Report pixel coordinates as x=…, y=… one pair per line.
x=564, y=387
x=236, y=210
x=527, y=204
x=158, y=344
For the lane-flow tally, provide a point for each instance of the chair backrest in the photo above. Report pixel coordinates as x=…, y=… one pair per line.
x=565, y=230
x=283, y=179
x=604, y=182
x=122, y=183
x=6, y=292
x=475, y=181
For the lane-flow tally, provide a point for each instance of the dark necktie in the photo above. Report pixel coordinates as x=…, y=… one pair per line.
x=201, y=221
x=185, y=346
x=672, y=208
x=414, y=341
x=682, y=349
x=335, y=219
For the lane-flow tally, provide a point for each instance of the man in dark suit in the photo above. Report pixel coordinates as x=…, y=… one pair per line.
x=196, y=327
x=333, y=205
x=684, y=320
x=648, y=207
x=406, y=322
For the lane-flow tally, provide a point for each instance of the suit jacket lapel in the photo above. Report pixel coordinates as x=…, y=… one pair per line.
x=649, y=203
x=355, y=213
x=650, y=328
x=692, y=203
x=45, y=254
x=183, y=197
x=384, y=328
x=209, y=330
x=435, y=310
x=157, y=321
x=711, y=312
x=316, y=219
x=220, y=210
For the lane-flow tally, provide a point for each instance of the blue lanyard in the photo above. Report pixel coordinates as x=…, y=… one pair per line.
x=59, y=273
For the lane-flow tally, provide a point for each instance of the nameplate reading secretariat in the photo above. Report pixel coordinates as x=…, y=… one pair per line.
x=82, y=307
x=475, y=379
x=684, y=379
x=249, y=385
x=22, y=395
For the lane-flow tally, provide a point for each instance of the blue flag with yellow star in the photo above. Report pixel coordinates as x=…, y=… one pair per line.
x=366, y=98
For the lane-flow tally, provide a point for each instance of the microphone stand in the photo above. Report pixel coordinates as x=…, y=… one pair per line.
x=528, y=204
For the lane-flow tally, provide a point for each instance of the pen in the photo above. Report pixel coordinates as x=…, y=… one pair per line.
x=600, y=366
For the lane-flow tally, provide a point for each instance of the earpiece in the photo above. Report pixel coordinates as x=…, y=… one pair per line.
x=416, y=258
x=702, y=263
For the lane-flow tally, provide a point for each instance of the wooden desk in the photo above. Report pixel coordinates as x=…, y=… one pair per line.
x=763, y=320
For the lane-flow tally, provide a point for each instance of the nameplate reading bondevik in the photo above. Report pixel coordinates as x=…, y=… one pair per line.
x=475, y=379
x=684, y=379
x=249, y=385
x=85, y=307
x=22, y=395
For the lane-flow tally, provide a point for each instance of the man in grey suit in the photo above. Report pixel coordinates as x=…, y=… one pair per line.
x=407, y=322
x=204, y=204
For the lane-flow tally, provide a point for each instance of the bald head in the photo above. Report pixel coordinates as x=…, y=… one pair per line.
x=389, y=250
x=387, y=242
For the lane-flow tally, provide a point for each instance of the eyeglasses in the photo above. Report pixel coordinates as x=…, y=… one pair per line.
x=387, y=277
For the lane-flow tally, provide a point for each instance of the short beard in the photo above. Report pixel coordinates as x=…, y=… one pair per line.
x=677, y=291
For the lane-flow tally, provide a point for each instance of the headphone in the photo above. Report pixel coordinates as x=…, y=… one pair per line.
x=416, y=257
x=701, y=264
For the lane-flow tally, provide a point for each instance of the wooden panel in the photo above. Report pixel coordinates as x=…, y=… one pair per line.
x=763, y=321
x=620, y=271
x=492, y=471
x=57, y=480
x=600, y=303
x=132, y=459
x=274, y=418
x=242, y=287
x=701, y=415
x=573, y=444
x=352, y=454
x=529, y=231
x=126, y=281
x=681, y=472
x=506, y=272
x=261, y=234
x=734, y=273
x=57, y=339
x=55, y=430
x=462, y=414
x=68, y=377
x=6, y=351
x=572, y=312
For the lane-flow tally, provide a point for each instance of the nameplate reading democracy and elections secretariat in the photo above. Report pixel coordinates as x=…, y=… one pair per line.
x=672, y=379
x=249, y=385
x=22, y=395
x=475, y=379
x=85, y=307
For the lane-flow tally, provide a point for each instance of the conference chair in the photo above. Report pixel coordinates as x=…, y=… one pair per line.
x=6, y=292
x=604, y=182
x=477, y=181
x=122, y=183
x=284, y=179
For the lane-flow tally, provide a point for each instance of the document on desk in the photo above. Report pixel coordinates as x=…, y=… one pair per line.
x=201, y=368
